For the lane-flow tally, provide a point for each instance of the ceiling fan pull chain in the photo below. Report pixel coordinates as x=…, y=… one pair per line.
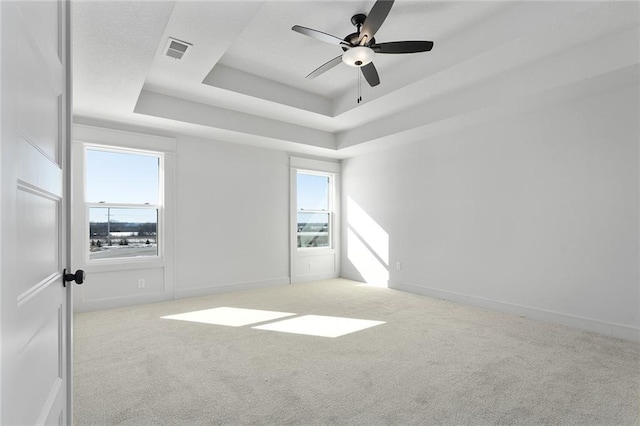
x=359, y=85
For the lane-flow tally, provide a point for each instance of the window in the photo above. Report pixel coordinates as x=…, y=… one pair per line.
x=123, y=203
x=314, y=209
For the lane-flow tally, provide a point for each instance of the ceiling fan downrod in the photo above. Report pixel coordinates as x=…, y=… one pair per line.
x=357, y=20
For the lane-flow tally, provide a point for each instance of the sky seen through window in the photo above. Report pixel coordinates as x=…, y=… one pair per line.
x=121, y=178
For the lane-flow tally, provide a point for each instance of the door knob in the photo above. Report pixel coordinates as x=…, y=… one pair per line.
x=78, y=277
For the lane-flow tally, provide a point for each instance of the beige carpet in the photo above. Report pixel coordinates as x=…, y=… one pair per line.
x=432, y=362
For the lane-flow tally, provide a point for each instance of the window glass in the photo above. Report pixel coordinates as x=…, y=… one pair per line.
x=313, y=192
x=122, y=177
x=123, y=203
x=313, y=229
x=119, y=232
x=313, y=210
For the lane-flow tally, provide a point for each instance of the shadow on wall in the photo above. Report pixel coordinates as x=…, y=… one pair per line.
x=367, y=246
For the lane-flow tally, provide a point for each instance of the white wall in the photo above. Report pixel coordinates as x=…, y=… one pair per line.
x=232, y=217
x=535, y=214
x=114, y=283
x=227, y=223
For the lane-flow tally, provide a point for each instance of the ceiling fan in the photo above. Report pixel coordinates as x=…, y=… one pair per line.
x=360, y=47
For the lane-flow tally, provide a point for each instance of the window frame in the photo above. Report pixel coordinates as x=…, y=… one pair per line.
x=159, y=207
x=330, y=211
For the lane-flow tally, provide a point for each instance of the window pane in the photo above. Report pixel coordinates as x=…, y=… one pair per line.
x=313, y=229
x=313, y=192
x=108, y=173
x=117, y=232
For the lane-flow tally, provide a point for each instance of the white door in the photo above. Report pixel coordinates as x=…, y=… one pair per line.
x=34, y=126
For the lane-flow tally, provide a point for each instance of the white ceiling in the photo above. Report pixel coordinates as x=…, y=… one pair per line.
x=243, y=79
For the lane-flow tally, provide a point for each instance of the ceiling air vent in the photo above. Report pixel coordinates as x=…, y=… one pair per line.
x=176, y=48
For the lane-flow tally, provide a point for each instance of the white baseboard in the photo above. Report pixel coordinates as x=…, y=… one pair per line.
x=119, y=302
x=228, y=288
x=610, y=329
x=315, y=277
x=125, y=301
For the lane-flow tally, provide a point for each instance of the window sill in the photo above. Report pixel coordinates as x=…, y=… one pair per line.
x=310, y=251
x=123, y=264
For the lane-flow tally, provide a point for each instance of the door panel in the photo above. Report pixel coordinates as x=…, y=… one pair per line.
x=40, y=82
x=37, y=170
x=37, y=232
x=40, y=358
x=34, y=303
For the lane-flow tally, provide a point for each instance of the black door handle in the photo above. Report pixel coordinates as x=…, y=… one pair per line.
x=78, y=277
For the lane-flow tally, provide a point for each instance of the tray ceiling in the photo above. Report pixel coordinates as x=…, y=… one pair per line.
x=242, y=80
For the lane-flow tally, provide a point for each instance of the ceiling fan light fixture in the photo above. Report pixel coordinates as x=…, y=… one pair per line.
x=358, y=56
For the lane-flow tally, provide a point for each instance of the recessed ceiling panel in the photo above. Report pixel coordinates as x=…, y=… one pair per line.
x=241, y=82
x=269, y=48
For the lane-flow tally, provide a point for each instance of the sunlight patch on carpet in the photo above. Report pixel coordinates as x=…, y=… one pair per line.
x=316, y=325
x=233, y=317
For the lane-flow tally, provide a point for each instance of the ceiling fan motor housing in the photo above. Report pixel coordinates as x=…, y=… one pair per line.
x=358, y=56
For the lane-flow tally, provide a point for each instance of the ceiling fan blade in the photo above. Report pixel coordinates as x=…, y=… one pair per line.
x=370, y=74
x=413, y=46
x=325, y=67
x=319, y=35
x=374, y=21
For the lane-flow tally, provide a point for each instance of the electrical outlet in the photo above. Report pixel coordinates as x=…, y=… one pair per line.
x=399, y=266
x=141, y=283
